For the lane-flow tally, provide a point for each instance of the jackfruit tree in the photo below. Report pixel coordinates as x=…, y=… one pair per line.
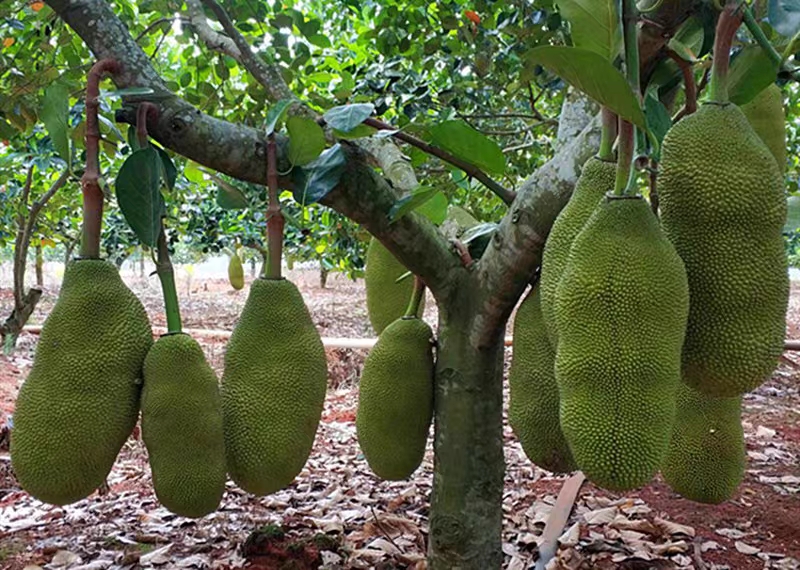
x=657, y=300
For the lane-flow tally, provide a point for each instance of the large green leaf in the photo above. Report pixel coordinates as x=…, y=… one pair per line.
x=751, y=72
x=658, y=121
x=169, y=173
x=594, y=25
x=464, y=142
x=593, y=75
x=275, y=114
x=347, y=117
x=55, y=111
x=229, y=197
x=430, y=202
x=306, y=140
x=313, y=181
x=139, y=195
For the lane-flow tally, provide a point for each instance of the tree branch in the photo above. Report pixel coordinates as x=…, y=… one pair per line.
x=212, y=38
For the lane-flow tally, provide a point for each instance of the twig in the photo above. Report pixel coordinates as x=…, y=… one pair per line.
x=382, y=529
x=501, y=116
x=157, y=23
x=688, y=81
x=213, y=39
x=506, y=195
x=697, y=556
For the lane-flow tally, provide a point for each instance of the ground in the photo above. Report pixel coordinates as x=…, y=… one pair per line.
x=338, y=515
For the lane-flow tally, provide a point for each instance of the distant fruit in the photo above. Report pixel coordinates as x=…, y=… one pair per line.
x=273, y=388
x=80, y=401
x=236, y=272
x=387, y=299
x=182, y=426
x=395, y=399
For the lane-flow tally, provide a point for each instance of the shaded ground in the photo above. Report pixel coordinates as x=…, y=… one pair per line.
x=338, y=515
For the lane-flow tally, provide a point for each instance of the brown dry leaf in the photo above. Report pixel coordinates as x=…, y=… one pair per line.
x=745, y=548
x=600, y=516
x=672, y=528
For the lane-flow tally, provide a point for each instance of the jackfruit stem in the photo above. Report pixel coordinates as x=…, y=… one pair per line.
x=167, y=277
x=624, y=158
x=275, y=220
x=607, y=135
x=729, y=21
x=416, y=297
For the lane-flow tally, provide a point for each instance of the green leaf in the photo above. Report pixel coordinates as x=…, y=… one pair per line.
x=275, y=114
x=55, y=111
x=593, y=75
x=784, y=16
x=168, y=171
x=6, y=129
x=464, y=142
x=435, y=209
x=229, y=197
x=306, y=140
x=320, y=40
x=416, y=199
x=139, y=196
x=193, y=173
x=112, y=128
x=658, y=121
x=313, y=181
x=594, y=25
x=345, y=118
x=751, y=72
x=358, y=132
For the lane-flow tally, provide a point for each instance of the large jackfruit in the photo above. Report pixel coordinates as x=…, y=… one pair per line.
x=723, y=207
x=533, y=402
x=597, y=178
x=182, y=426
x=621, y=310
x=273, y=388
x=395, y=399
x=80, y=401
x=765, y=114
x=387, y=299
x=706, y=457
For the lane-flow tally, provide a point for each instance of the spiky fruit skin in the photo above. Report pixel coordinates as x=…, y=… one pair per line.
x=80, y=401
x=723, y=207
x=534, y=403
x=273, y=388
x=236, y=272
x=765, y=114
x=597, y=178
x=182, y=426
x=387, y=300
x=395, y=399
x=621, y=313
x=707, y=456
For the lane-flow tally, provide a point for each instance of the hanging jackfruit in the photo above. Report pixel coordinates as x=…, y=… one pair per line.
x=723, y=207
x=80, y=401
x=533, y=402
x=706, y=457
x=386, y=298
x=182, y=426
x=273, y=388
x=621, y=309
x=236, y=272
x=765, y=114
x=596, y=179
x=395, y=399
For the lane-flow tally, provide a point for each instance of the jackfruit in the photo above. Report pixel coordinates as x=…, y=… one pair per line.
x=80, y=401
x=395, y=399
x=236, y=272
x=706, y=457
x=182, y=426
x=273, y=388
x=461, y=217
x=765, y=114
x=387, y=299
x=533, y=402
x=621, y=310
x=597, y=178
x=723, y=207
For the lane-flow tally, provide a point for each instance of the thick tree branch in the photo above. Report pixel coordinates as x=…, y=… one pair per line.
x=20, y=247
x=212, y=38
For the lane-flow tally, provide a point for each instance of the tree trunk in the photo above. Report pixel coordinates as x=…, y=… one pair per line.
x=466, y=504
x=70, y=247
x=39, y=267
x=141, y=262
x=323, y=277
x=14, y=324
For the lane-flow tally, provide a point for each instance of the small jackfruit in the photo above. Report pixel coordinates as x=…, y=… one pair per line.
x=765, y=114
x=182, y=426
x=236, y=272
x=387, y=299
x=80, y=401
x=621, y=310
x=597, y=178
x=707, y=456
x=723, y=206
x=273, y=388
x=533, y=403
x=395, y=399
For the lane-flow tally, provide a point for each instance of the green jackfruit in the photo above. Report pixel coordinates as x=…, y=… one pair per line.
x=395, y=399
x=273, y=388
x=765, y=114
x=597, y=178
x=182, y=426
x=621, y=310
x=80, y=401
x=706, y=457
x=533, y=403
x=236, y=272
x=387, y=300
x=723, y=207
x=460, y=216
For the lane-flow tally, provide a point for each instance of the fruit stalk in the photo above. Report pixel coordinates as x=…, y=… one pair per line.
x=275, y=220
x=608, y=135
x=625, y=157
x=167, y=277
x=416, y=297
x=729, y=21
x=90, y=182
x=142, y=113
